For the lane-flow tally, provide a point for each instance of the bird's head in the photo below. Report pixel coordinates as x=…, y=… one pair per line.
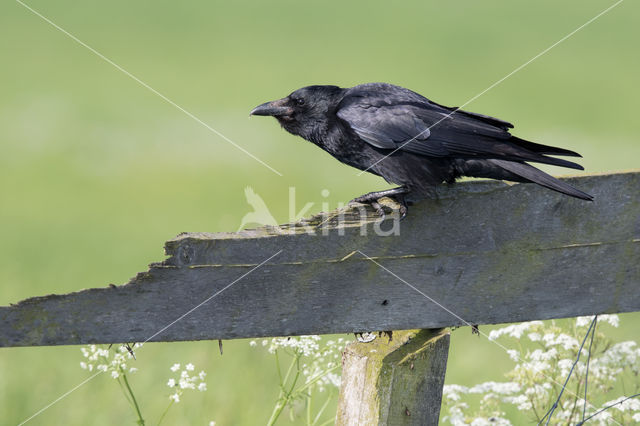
x=304, y=112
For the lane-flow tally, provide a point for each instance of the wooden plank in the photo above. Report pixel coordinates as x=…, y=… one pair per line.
x=488, y=252
x=397, y=382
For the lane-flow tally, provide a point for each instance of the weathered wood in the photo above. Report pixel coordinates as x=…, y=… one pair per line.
x=397, y=382
x=486, y=251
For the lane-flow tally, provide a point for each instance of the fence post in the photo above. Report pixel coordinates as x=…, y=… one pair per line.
x=395, y=382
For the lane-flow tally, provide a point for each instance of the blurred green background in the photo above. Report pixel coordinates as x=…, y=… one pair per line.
x=96, y=171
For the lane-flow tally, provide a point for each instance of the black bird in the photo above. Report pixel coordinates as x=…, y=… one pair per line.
x=411, y=141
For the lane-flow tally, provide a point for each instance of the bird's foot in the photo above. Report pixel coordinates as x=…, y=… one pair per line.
x=396, y=194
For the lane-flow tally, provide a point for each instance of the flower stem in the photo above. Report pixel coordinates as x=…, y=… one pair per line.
x=309, y=411
x=285, y=395
x=165, y=412
x=140, y=420
x=276, y=412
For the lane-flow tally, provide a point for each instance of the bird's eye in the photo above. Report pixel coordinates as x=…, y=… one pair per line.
x=299, y=101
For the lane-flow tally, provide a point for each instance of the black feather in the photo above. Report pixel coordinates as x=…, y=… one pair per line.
x=412, y=141
x=534, y=175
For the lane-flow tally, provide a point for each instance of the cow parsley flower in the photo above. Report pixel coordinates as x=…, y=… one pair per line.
x=110, y=359
x=185, y=381
x=514, y=330
x=542, y=363
x=319, y=360
x=314, y=366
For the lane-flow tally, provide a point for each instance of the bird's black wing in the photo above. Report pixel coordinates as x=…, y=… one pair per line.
x=391, y=126
x=394, y=118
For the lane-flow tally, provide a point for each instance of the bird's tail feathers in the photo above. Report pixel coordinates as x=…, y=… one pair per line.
x=542, y=149
x=554, y=162
x=534, y=175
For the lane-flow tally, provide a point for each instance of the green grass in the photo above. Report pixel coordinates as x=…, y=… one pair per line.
x=96, y=171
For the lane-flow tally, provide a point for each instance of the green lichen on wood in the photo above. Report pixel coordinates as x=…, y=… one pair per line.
x=402, y=379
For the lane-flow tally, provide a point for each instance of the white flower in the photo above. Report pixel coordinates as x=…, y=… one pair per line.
x=133, y=370
x=536, y=378
x=212, y=423
x=318, y=359
x=453, y=392
x=189, y=367
x=534, y=337
x=538, y=391
x=184, y=384
x=175, y=397
x=494, y=387
x=565, y=366
x=253, y=343
x=521, y=401
x=83, y=365
x=533, y=367
x=171, y=383
x=513, y=330
x=175, y=367
x=202, y=387
x=202, y=375
x=564, y=340
x=540, y=355
x=614, y=320
x=115, y=374
x=307, y=345
x=628, y=405
x=584, y=321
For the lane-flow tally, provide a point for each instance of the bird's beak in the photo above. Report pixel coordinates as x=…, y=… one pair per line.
x=275, y=108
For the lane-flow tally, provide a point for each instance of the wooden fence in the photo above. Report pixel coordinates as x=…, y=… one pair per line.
x=482, y=253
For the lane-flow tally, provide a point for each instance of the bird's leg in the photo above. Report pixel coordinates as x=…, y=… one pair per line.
x=373, y=197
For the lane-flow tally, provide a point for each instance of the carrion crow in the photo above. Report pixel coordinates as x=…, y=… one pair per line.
x=412, y=141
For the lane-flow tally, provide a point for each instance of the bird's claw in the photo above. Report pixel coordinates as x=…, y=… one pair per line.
x=378, y=208
x=403, y=210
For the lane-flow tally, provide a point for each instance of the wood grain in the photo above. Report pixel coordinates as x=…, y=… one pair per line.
x=483, y=252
